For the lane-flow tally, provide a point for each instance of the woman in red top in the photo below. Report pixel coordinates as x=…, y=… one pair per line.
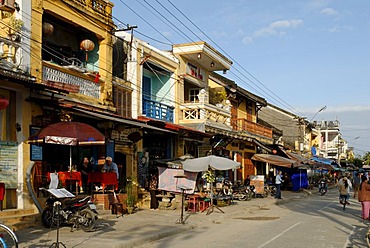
x=364, y=197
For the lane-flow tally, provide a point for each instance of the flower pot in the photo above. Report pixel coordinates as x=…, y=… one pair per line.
x=130, y=210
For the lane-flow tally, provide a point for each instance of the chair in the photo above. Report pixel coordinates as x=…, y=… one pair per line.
x=193, y=203
x=2, y=194
x=114, y=204
x=204, y=204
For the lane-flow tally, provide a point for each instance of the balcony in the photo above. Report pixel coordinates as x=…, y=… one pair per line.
x=70, y=79
x=9, y=54
x=254, y=128
x=193, y=113
x=157, y=110
x=101, y=9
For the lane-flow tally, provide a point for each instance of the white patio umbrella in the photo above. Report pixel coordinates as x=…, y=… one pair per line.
x=210, y=162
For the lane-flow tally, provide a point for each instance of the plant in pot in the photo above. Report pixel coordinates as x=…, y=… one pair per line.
x=131, y=197
x=14, y=26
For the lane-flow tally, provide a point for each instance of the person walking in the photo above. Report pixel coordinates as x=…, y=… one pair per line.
x=153, y=192
x=364, y=197
x=356, y=184
x=278, y=181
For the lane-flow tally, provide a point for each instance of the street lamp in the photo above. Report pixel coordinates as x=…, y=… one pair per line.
x=320, y=110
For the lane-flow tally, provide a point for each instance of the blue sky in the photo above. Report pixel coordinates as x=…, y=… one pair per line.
x=298, y=55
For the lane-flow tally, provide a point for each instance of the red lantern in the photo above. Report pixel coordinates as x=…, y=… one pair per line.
x=3, y=103
x=87, y=46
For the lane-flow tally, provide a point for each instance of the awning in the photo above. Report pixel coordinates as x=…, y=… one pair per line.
x=124, y=121
x=296, y=157
x=324, y=162
x=275, y=160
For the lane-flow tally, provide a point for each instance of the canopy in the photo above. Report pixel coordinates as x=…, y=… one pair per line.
x=325, y=163
x=68, y=133
x=298, y=158
x=275, y=160
x=215, y=162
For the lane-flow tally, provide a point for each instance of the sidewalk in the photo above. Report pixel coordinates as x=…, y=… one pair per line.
x=143, y=226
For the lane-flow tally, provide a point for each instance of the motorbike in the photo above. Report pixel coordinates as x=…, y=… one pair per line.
x=323, y=188
x=79, y=212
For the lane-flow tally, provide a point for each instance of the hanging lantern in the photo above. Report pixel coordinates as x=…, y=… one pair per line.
x=87, y=46
x=47, y=29
x=3, y=103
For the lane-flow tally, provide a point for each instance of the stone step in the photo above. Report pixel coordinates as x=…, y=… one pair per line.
x=13, y=212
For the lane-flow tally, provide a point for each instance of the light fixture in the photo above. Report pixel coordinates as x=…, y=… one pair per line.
x=47, y=29
x=224, y=71
x=87, y=46
x=199, y=56
x=212, y=64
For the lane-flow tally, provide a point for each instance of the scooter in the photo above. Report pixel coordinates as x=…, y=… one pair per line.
x=79, y=212
x=323, y=188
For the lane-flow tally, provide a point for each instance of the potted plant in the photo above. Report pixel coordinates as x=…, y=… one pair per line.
x=14, y=26
x=131, y=197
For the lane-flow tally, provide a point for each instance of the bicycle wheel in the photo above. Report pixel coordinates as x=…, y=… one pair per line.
x=8, y=238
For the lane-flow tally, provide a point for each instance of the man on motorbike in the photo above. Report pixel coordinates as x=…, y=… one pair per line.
x=323, y=186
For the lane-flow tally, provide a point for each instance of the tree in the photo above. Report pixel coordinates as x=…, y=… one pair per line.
x=366, y=158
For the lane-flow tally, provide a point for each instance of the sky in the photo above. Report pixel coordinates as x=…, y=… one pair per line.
x=300, y=55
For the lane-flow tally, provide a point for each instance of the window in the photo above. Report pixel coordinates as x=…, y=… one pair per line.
x=193, y=95
x=122, y=101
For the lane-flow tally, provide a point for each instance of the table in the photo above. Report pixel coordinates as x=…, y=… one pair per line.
x=105, y=178
x=65, y=176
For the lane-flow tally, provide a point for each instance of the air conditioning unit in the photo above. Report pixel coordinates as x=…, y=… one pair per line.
x=7, y=5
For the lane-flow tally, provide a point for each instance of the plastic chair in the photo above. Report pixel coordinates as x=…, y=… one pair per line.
x=114, y=204
x=2, y=194
x=203, y=204
x=193, y=204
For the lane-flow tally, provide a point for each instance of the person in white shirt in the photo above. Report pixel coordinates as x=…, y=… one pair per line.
x=278, y=181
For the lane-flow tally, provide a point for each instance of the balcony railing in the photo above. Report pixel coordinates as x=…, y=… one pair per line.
x=68, y=79
x=201, y=112
x=102, y=8
x=157, y=110
x=255, y=128
x=9, y=53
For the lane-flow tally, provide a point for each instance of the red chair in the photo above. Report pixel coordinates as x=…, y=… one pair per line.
x=2, y=194
x=203, y=204
x=193, y=203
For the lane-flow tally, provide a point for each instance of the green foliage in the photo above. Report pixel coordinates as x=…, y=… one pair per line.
x=366, y=158
x=131, y=197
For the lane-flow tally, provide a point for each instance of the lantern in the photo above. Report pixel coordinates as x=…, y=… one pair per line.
x=87, y=46
x=47, y=29
x=3, y=103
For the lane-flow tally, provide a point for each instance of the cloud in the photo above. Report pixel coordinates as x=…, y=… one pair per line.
x=329, y=12
x=167, y=34
x=335, y=29
x=247, y=40
x=275, y=28
x=337, y=109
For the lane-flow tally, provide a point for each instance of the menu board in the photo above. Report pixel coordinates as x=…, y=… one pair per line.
x=9, y=164
x=36, y=149
x=259, y=183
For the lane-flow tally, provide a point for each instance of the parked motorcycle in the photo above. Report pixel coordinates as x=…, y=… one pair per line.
x=323, y=187
x=79, y=212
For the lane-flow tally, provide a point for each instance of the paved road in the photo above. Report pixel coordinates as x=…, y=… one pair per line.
x=316, y=221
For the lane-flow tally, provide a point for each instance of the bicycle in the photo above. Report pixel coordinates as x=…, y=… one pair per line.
x=8, y=239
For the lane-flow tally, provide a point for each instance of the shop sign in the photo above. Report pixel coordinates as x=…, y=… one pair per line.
x=258, y=182
x=9, y=163
x=122, y=135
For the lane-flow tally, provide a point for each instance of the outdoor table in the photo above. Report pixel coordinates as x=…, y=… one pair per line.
x=64, y=176
x=105, y=178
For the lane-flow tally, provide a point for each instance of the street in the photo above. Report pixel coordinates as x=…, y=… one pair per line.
x=315, y=221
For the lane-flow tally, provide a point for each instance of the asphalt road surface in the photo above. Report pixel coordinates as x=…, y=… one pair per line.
x=315, y=221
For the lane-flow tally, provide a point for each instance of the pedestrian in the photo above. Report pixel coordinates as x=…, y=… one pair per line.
x=364, y=197
x=278, y=181
x=153, y=192
x=110, y=166
x=356, y=184
x=344, y=186
x=85, y=168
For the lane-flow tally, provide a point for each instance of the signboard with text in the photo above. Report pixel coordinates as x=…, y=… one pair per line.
x=9, y=163
x=258, y=182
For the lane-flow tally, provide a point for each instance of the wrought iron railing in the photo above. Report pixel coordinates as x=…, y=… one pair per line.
x=158, y=110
